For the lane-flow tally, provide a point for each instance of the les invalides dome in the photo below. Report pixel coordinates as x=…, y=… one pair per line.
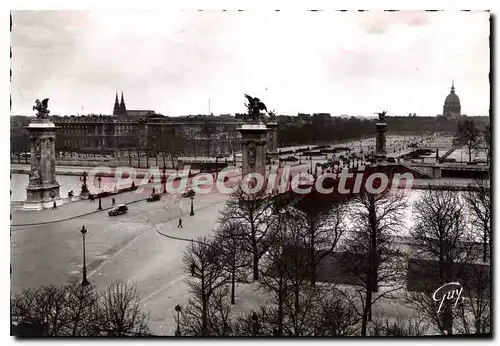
x=451, y=108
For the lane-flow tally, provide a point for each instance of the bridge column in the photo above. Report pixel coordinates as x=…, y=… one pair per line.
x=380, y=141
x=436, y=172
x=253, y=148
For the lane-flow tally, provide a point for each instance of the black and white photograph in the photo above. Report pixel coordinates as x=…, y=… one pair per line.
x=250, y=173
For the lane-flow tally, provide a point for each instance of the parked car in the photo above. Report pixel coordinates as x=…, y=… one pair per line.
x=154, y=197
x=189, y=193
x=118, y=210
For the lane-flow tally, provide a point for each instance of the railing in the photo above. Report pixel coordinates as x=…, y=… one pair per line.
x=448, y=153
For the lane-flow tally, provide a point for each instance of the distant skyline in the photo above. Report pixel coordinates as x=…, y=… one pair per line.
x=174, y=62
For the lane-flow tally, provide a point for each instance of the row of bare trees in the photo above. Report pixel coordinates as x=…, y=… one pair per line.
x=76, y=310
x=473, y=137
x=332, y=271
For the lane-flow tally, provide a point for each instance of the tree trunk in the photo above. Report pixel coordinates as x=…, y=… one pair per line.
x=280, y=307
x=312, y=255
x=255, y=263
x=147, y=159
x=204, y=322
x=485, y=245
x=297, y=298
x=233, y=284
x=138, y=159
x=172, y=159
x=366, y=312
x=204, y=314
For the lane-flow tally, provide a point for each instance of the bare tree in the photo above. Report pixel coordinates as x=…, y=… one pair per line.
x=334, y=316
x=82, y=302
x=474, y=313
x=467, y=134
x=478, y=201
x=230, y=240
x=252, y=211
x=398, y=327
x=121, y=310
x=322, y=313
x=218, y=315
x=476, y=305
x=486, y=132
x=324, y=229
x=168, y=145
x=207, y=132
x=291, y=225
x=440, y=234
x=41, y=311
x=203, y=262
x=286, y=270
x=376, y=262
x=75, y=310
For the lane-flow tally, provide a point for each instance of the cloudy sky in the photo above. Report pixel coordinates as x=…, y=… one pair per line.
x=173, y=62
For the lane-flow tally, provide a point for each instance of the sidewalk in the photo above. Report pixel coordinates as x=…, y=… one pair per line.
x=75, y=209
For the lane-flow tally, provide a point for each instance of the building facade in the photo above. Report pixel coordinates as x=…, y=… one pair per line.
x=112, y=135
x=138, y=131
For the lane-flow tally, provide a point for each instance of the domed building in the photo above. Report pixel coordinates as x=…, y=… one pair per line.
x=451, y=108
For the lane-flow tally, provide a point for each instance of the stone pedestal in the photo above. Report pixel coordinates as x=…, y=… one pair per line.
x=380, y=142
x=272, y=137
x=253, y=148
x=43, y=189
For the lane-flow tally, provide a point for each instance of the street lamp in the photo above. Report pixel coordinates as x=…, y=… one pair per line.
x=178, y=309
x=84, y=273
x=192, y=210
x=100, y=205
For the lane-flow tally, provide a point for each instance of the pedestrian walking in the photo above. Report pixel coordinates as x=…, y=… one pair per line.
x=54, y=206
x=113, y=201
x=180, y=223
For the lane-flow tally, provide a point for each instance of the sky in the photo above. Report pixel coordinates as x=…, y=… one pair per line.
x=174, y=62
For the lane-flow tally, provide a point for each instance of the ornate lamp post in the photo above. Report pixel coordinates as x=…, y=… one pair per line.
x=192, y=210
x=178, y=310
x=100, y=204
x=84, y=273
x=84, y=185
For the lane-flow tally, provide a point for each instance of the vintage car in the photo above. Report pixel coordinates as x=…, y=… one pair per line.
x=154, y=197
x=118, y=210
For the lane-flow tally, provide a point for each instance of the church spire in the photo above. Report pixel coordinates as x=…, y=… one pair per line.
x=123, y=108
x=116, y=108
x=452, y=86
